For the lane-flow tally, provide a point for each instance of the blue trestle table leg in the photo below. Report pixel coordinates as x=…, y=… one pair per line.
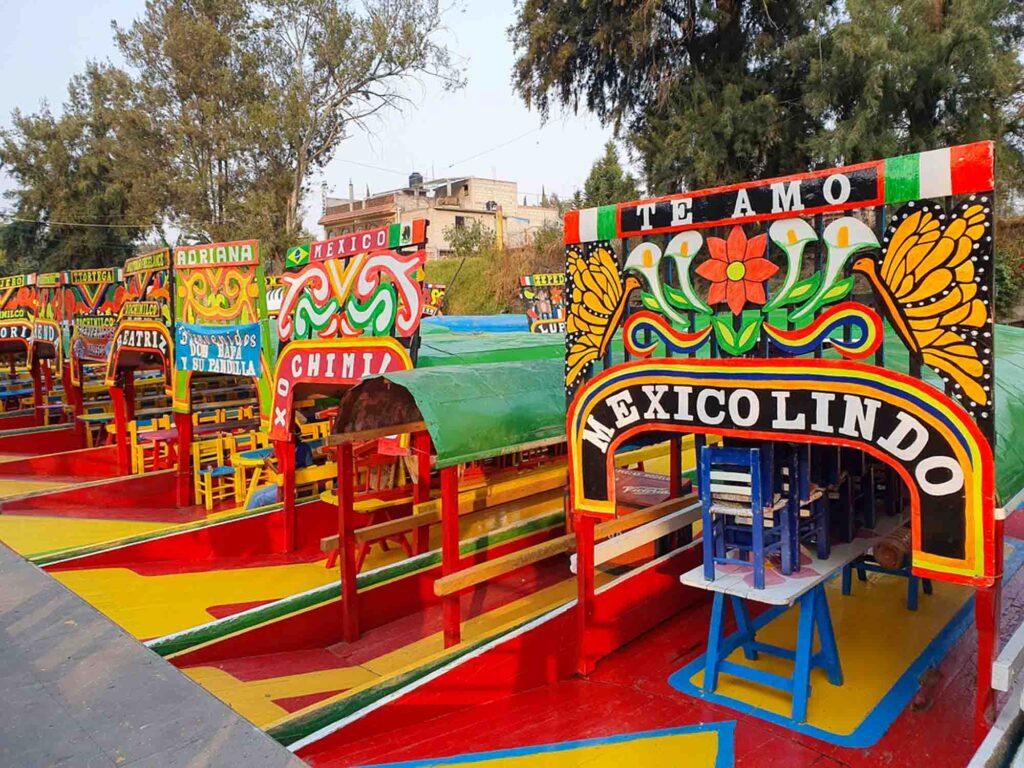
x=827, y=639
x=847, y=578
x=912, y=593
x=743, y=624
x=804, y=647
x=714, y=653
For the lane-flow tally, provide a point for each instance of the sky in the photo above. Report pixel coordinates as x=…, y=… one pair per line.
x=481, y=130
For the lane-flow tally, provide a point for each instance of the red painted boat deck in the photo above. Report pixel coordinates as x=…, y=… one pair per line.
x=629, y=693
x=266, y=687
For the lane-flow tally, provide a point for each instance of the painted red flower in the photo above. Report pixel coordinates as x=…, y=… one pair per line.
x=737, y=270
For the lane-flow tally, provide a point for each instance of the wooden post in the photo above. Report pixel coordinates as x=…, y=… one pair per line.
x=421, y=491
x=347, y=543
x=675, y=472
x=48, y=378
x=124, y=458
x=183, y=421
x=39, y=417
x=450, y=552
x=129, y=395
x=987, y=607
x=584, y=526
x=74, y=398
x=285, y=452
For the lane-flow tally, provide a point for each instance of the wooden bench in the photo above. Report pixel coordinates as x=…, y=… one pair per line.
x=491, y=569
x=512, y=489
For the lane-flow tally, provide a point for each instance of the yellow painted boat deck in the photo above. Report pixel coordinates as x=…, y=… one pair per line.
x=149, y=606
x=257, y=700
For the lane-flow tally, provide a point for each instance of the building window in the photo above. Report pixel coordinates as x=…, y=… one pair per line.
x=460, y=222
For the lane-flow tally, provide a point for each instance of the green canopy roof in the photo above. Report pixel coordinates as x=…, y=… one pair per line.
x=471, y=411
x=446, y=348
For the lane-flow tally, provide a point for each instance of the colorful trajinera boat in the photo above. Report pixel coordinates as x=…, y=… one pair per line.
x=754, y=505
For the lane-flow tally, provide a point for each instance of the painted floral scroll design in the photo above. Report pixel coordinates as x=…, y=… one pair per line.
x=738, y=270
x=219, y=295
x=371, y=294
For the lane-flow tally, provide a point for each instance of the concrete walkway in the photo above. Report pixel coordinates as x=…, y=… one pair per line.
x=76, y=691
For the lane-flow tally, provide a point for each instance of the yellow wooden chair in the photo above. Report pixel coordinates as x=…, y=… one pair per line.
x=211, y=416
x=212, y=479
x=143, y=454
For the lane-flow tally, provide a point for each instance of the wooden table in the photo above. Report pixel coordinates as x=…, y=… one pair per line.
x=251, y=460
x=800, y=588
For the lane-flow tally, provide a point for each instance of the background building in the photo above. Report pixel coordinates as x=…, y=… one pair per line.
x=449, y=202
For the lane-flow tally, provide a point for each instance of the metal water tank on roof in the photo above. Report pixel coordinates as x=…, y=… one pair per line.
x=415, y=179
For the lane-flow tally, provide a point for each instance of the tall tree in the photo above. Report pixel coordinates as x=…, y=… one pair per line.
x=334, y=68
x=74, y=205
x=706, y=91
x=199, y=75
x=252, y=96
x=710, y=92
x=607, y=182
x=952, y=74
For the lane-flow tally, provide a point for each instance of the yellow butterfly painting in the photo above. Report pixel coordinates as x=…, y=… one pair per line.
x=596, y=297
x=931, y=282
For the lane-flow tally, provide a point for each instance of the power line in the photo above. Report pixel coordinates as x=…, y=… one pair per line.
x=496, y=146
x=371, y=167
x=78, y=223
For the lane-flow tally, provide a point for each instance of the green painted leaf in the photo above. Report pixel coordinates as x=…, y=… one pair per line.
x=838, y=291
x=677, y=298
x=748, y=335
x=649, y=302
x=802, y=290
x=724, y=333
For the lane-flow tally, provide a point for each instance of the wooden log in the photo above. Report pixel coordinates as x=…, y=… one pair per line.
x=891, y=552
x=491, y=569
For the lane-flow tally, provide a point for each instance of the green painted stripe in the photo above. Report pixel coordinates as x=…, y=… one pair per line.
x=394, y=235
x=56, y=555
x=291, y=731
x=607, y=222
x=296, y=603
x=902, y=179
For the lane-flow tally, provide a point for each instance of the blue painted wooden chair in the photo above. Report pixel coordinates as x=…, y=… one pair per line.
x=742, y=513
x=914, y=583
x=811, y=503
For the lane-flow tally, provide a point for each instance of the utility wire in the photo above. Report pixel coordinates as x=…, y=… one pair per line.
x=78, y=223
x=496, y=146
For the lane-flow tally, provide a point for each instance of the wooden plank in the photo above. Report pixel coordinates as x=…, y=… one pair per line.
x=378, y=432
x=506, y=491
x=1007, y=667
x=499, y=566
x=644, y=534
x=491, y=569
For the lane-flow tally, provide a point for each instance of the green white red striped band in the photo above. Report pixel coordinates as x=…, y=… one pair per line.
x=959, y=170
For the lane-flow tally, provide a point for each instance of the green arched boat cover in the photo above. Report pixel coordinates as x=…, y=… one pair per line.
x=478, y=411
x=439, y=348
